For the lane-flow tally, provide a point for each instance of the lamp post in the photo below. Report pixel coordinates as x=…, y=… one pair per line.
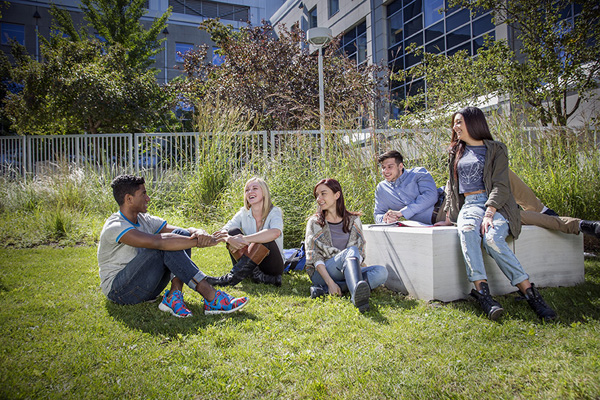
x=319, y=37
x=37, y=17
x=166, y=32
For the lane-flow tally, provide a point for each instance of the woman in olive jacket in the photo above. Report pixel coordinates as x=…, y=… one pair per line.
x=481, y=204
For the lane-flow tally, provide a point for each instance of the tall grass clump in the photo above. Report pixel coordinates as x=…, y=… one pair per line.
x=561, y=165
x=62, y=205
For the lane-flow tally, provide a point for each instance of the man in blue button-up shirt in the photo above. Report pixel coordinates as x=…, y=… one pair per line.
x=405, y=193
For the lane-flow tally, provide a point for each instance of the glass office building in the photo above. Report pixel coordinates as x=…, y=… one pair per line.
x=426, y=23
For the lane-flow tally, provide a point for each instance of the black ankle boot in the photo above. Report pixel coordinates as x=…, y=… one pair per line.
x=491, y=307
x=318, y=291
x=590, y=227
x=537, y=304
x=260, y=277
x=242, y=269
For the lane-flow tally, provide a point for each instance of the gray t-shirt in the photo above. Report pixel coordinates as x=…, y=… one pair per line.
x=470, y=169
x=339, y=238
x=114, y=256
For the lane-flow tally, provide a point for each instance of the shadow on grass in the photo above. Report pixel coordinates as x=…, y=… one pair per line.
x=576, y=304
x=146, y=317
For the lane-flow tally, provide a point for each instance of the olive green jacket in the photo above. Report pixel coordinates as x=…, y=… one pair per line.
x=497, y=187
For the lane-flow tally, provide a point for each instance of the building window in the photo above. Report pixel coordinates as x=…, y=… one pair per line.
x=419, y=22
x=12, y=31
x=181, y=49
x=211, y=9
x=216, y=58
x=334, y=7
x=312, y=18
x=354, y=43
x=432, y=12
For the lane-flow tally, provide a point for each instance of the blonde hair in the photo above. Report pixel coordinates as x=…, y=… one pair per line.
x=267, y=204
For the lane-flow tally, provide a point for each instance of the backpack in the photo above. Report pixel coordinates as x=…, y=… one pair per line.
x=295, y=259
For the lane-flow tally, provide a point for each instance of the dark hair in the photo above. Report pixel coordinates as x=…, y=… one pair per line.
x=391, y=154
x=340, y=207
x=474, y=120
x=125, y=184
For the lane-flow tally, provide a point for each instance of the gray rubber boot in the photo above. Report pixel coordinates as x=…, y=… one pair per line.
x=360, y=291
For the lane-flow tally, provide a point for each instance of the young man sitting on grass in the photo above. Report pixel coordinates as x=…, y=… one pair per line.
x=139, y=254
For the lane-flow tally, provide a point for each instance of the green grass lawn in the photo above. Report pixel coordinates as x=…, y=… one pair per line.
x=62, y=339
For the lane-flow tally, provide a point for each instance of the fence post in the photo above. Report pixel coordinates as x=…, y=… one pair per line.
x=130, y=139
x=29, y=155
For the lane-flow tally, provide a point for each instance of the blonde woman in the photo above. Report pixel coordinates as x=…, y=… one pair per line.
x=254, y=237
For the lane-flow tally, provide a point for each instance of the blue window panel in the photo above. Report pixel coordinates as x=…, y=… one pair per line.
x=458, y=37
x=414, y=26
x=312, y=18
x=12, y=31
x=415, y=87
x=395, y=52
x=396, y=66
x=483, y=25
x=466, y=46
x=450, y=10
x=456, y=20
x=393, y=7
x=479, y=42
x=432, y=9
x=434, y=32
x=361, y=44
x=412, y=10
x=361, y=29
x=437, y=46
x=334, y=7
x=396, y=26
x=412, y=59
x=417, y=40
x=182, y=48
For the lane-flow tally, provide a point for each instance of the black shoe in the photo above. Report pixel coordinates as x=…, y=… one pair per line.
x=224, y=280
x=318, y=291
x=590, y=227
x=242, y=269
x=537, y=304
x=551, y=212
x=260, y=277
x=491, y=307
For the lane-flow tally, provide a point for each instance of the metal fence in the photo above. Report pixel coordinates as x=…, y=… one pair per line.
x=145, y=153
x=26, y=156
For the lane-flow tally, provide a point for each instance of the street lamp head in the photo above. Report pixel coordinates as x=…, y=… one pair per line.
x=318, y=36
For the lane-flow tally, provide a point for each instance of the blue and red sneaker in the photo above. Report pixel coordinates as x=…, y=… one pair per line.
x=175, y=306
x=224, y=303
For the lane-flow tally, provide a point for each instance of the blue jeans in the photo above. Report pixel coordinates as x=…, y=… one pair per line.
x=150, y=271
x=375, y=275
x=469, y=230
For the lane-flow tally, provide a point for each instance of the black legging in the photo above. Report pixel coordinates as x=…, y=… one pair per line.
x=272, y=264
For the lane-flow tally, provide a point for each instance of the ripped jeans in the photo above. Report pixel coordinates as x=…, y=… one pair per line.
x=469, y=231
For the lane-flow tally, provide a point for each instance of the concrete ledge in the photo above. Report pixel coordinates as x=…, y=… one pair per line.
x=427, y=263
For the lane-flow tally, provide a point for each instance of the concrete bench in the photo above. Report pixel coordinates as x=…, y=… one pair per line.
x=427, y=262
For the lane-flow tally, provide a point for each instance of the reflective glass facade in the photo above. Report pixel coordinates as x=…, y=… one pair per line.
x=354, y=43
x=420, y=23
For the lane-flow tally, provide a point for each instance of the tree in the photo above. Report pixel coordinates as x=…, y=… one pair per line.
x=82, y=86
x=558, y=57
x=274, y=80
x=117, y=22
